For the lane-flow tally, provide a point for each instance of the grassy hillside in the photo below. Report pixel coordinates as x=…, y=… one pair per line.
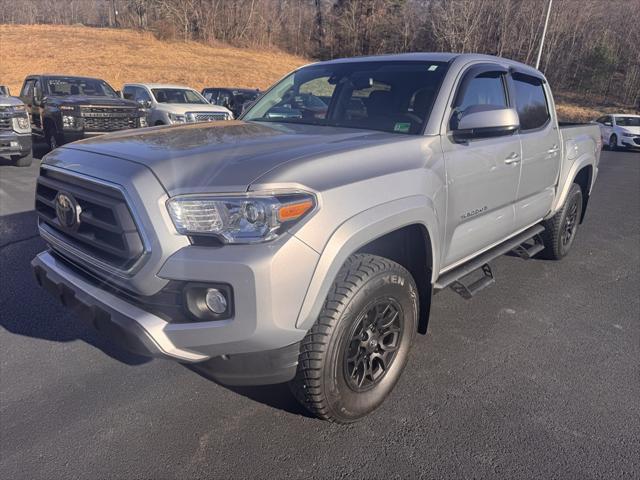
x=120, y=56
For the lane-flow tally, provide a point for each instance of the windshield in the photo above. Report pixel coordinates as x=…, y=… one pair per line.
x=628, y=121
x=64, y=86
x=391, y=96
x=246, y=95
x=177, y=95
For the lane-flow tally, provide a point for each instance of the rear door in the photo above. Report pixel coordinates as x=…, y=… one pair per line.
x=482, y=174
x=541, y=149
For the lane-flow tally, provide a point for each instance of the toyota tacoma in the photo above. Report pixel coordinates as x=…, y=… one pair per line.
x=307, y=248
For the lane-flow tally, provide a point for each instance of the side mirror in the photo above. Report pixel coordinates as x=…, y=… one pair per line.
x=486, y=122
x=119, y=93
x=144, y=103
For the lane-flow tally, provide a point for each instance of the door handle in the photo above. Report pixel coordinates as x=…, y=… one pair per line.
x=553, y=150
x=512, y=159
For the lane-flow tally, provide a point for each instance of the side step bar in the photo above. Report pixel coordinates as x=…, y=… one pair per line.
x=453, y=277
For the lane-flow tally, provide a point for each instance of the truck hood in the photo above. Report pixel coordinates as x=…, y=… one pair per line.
x=223, y=156
x=92, y=100
x=9, y=101
x=182, y=108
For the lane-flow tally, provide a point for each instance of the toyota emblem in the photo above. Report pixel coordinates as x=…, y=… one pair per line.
x=67, y=210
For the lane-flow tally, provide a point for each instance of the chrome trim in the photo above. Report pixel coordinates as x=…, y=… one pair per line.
x=77, y=254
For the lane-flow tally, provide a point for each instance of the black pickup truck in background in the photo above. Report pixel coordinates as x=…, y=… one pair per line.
x=68, y=108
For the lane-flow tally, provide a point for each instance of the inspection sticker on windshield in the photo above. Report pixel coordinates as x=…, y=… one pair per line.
x=402, y=127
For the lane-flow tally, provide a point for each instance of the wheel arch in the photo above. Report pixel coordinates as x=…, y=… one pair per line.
x=584, y=178
x=583, y=171
x=411, y=221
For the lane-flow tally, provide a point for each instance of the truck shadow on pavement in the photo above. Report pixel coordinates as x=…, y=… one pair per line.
x=28, y=310
x=275, y=396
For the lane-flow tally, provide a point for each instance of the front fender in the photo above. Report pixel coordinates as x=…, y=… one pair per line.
x=356, y=232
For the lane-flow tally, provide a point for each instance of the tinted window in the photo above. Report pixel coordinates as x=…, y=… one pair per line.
x=27, y=89
x=210, y=95
x=128, y=93
x=141, y=95
x=486, y=89
x=63, y=86
x=628, y=121
x=531, y=102
x=388, y=96
x=177, y=95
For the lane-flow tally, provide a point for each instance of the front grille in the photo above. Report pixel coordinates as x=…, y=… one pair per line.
x=109, y=110
x=637, y=140
x=5, y=122
x=108, y=119
x=209, y=116
x=105, y=231
x=109, y=124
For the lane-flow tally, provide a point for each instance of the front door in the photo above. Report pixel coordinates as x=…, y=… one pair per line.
x=482, y=174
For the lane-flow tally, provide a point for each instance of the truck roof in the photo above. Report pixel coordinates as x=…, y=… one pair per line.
x=156, y=85
x=435, y=57
x=61, y=75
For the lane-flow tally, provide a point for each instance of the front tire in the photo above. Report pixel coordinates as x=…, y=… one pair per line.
x=560, y=230
x=23, y=161
x=354, y=354
x=613, y=143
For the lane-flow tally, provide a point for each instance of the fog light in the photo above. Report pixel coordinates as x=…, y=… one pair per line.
x=216, y=301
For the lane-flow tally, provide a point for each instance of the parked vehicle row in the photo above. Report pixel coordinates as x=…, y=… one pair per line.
x=304, y=243
x=59, y=109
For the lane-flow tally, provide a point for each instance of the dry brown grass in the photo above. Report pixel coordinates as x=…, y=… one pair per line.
x=572, y=107
x=120, y=56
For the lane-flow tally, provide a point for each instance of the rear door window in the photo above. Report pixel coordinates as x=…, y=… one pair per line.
x=531, y=102
x=128, y=93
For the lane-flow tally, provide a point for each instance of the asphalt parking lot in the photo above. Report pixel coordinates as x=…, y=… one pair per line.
x=537, y=377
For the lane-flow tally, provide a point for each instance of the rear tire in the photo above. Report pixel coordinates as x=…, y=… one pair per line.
x=354, y=354
x=560, y=230
x=23, y=161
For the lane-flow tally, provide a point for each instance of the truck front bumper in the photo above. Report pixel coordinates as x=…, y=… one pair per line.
x=238, y=351
x=14, y=144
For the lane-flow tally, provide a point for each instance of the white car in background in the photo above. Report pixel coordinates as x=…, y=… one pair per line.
x=173, y=104
x=620, y=131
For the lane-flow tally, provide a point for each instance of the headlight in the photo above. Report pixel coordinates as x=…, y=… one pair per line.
x=68, y=121
x=143, y=121
x=175, y=118
x=21, y=124
x=627, y=134
x=249, y=218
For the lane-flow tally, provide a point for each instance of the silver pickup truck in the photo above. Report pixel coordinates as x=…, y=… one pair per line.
x=306, y=248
